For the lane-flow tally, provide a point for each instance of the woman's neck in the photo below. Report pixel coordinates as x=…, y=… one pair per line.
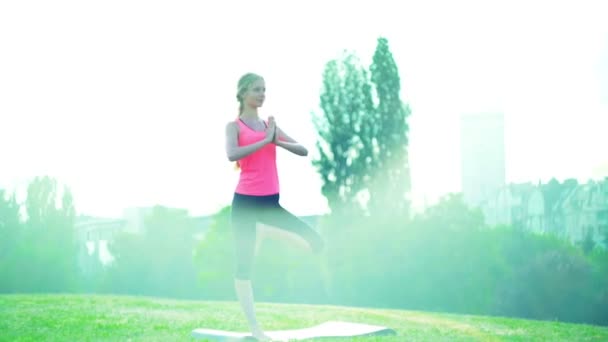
x=250, y=113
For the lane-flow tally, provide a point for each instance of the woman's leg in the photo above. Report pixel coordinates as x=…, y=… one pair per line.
x=281, y=224
x=244, y=293
x=265, y=231
x=244, y=231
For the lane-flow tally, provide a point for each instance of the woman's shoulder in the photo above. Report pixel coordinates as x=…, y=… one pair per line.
x=232, y=125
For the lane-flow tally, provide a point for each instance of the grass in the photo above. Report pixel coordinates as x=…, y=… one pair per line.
x=126, y=318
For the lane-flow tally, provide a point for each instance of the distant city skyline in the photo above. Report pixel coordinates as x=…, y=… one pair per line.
x=126, y=102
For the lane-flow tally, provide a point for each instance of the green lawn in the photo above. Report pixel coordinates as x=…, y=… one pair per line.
x=123, y=318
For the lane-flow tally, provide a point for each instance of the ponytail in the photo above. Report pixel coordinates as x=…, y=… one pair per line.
x=237, y=166
x=244, y=82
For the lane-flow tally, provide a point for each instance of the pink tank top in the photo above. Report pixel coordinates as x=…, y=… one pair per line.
x=259, y=176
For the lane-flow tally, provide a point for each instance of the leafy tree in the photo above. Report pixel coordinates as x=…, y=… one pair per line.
x=48, y=250
x=363, y=145
x=157, y=261
x=346, y=130
x=391, y=177
x=10, y=230
x=214, y=259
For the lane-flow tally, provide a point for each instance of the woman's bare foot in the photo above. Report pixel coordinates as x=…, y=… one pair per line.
x=260, y=336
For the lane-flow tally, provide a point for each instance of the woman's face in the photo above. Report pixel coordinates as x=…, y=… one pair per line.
x=255, y=95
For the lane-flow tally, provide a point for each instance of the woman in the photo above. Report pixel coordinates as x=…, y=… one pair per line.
x=252, y=142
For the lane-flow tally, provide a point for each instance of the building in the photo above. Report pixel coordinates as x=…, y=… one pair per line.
x=579, y=211
x=518, y=205
x=583, y=212
x=482, y=157
x=94, y=233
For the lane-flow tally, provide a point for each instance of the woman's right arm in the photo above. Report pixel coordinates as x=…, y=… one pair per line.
x=235, y=152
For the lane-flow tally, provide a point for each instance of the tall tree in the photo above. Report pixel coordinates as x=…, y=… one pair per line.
x=391, y=179
x=10, y=222
x=10, y=230
x=49, y=259
x=345, y=148
x=363, y=148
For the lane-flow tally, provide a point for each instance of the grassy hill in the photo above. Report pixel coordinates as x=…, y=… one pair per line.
x=126, y=318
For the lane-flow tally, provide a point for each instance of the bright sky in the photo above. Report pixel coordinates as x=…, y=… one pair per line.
x=126, y=101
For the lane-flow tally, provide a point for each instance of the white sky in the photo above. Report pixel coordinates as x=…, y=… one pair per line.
x=126, y=101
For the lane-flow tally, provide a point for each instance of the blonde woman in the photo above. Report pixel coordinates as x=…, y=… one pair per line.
x=251, y=142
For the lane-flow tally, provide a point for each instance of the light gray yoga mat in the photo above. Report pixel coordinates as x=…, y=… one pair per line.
x=328, y=329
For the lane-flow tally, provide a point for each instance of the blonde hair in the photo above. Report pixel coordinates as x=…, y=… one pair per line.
x=243, y=85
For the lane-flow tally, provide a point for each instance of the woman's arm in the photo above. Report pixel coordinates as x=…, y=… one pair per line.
x=285, y=141
x=235, y=152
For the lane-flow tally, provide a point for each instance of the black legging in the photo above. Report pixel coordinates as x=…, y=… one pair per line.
x=247, y=211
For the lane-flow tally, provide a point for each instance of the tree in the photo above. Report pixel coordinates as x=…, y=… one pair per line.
x=551, y=192
x=214, y=258
x=346, y=132
x=452, y=213
x=10, y=229
x=10, y=223
x=587, y=244
x=603, y=228
x=542, y=288
x=49, y=249
x=391, y=179
x=157, y=262
x=363, y=147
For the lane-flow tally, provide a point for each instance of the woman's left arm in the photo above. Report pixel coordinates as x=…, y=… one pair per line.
x=285, y=141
